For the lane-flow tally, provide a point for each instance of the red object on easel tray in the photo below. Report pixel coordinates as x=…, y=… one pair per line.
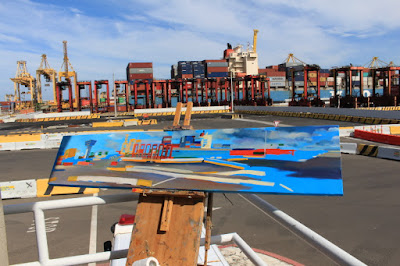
x=126, y=219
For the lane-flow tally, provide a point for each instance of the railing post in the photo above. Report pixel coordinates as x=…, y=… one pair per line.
x=41, y=236
x=3, y=236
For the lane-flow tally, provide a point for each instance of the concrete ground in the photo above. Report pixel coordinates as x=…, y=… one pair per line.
x=363, y=222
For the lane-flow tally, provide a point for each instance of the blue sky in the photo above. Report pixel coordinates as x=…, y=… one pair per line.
x=103, y=36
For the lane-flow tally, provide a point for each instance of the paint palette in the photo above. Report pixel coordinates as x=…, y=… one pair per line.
x=281, y=160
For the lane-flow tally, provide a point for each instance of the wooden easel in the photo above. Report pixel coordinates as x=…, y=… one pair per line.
x=168, y=225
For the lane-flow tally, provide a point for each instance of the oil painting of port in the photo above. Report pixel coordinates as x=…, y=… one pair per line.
x=280, y=160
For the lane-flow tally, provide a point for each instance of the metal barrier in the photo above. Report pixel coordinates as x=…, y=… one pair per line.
x=329, y=249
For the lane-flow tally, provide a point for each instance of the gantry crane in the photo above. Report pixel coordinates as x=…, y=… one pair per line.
x=381, y=70
x=22, y=77
x=67, y=74
x=49, y=73
x=305, y=98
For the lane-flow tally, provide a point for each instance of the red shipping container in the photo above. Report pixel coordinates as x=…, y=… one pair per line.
x=140, y=76
x=217, y=69
x=272, y=73
x=278, y=74
x=140, y=65
x=187, y=76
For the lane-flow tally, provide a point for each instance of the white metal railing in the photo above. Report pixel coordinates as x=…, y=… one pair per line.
x=329, y=249
x=38, y=209
x=326, y=247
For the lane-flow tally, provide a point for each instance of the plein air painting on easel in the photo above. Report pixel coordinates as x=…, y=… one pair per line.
x=282, y=160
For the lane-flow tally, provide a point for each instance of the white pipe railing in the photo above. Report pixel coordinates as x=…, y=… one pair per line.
x=38, y=207
x=329, y=249
x=247, y=250
x=326, y=247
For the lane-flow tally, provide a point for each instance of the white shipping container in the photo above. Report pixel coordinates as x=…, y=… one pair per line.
x=330, y=79
x=277, y=79
x=299, y=83
x=277, y=84
x=140, y=71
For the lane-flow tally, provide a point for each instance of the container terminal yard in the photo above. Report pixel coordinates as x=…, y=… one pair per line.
x=233, y=92
x=214, y=82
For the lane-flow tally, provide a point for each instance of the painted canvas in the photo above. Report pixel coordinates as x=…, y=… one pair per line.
x=282, y=160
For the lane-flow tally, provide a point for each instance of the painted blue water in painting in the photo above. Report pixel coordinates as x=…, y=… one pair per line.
x=287, y=160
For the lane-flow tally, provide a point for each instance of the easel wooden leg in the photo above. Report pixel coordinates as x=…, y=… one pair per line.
x=168, y=227
x=208, y=226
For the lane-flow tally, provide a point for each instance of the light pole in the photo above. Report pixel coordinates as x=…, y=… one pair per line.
x=115, y=97
x=232, y=91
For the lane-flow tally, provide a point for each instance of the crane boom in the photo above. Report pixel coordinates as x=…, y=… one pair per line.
x=66, y=61
x=294, y=59
x=255, y=41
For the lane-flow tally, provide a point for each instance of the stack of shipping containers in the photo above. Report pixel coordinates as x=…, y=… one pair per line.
x=198, y=69
x=324, y=75
x=216, y=68
x=139, y=72
x=277, y=79
x=185, y=70
x=188, y=70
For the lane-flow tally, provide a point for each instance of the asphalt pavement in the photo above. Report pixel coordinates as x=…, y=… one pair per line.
x=363, y=222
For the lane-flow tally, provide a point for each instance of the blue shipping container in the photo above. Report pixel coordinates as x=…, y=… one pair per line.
x=185, y=71
x=132, y=81
x=217, y=74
